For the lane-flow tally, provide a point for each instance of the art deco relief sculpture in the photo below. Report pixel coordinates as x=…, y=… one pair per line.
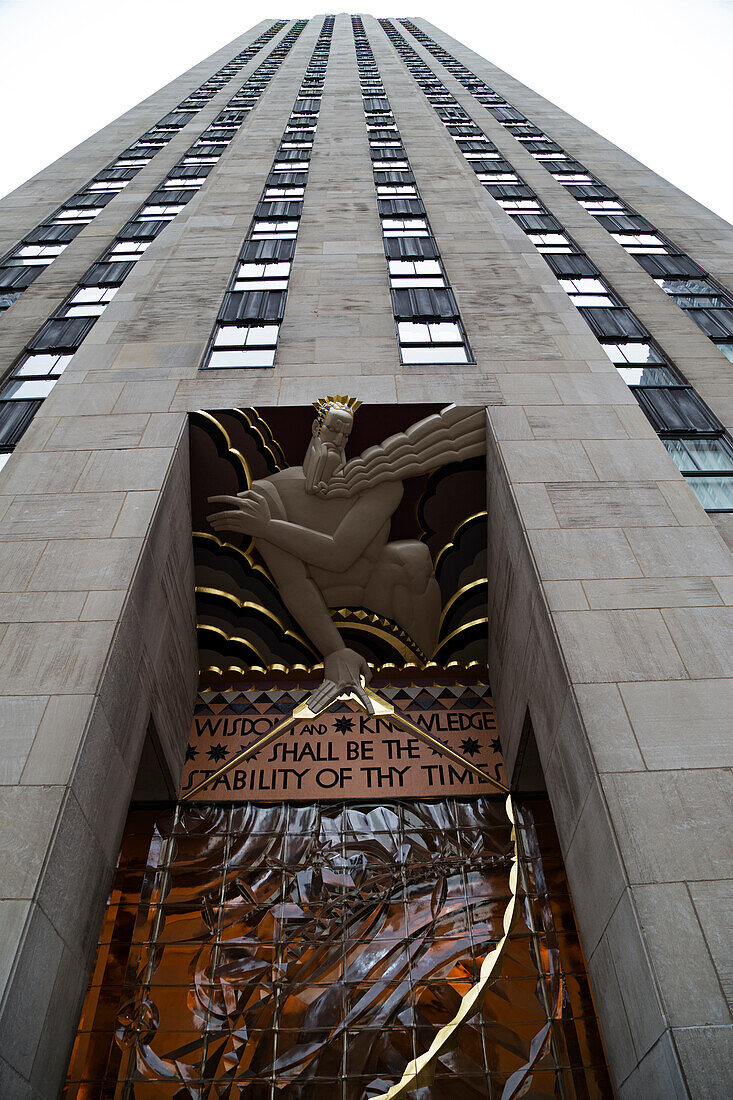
x=323, y=531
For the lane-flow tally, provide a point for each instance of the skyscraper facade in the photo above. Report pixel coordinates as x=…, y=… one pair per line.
x=403, y=763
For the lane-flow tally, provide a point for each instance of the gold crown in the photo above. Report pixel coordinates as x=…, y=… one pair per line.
x=336, y=401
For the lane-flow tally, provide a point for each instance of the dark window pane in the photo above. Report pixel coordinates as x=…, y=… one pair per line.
x=659, y=266
x=717, y=323
x=613, y=322
x=253, y=305
x=424, y=303
x=676, y=410
x=62, y=334
x=15, y=416
x=18, y=277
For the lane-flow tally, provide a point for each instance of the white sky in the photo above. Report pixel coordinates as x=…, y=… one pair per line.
x=654, y=76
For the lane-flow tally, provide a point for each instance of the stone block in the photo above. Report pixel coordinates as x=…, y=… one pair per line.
x=99, y=433
x=20, y=717
x=61, y=515
x=652, y=592
x=547, y=461
x=622, y=460
x=50, y=472
x=683, y=723
x=535, y=506
x=75, y=565
x=681, y=552
x=23, y=1014
x=56, y=658
x=27, y=821
x=704, y=638
x=576, y=554
x=713, y=903
x=126, y=471
x=574, y=422
x=13, y=917
x=609, y=646
x=706, y=1054
x=676, y=944
x=629, y=950
x=610, y=734
x=57, y=741
x=565, y=595
x=672, y=826
x=610, y=504
x=595, y=872
x=569, y=771
x=658, y=1076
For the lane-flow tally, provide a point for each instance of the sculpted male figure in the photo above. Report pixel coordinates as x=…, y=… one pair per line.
x=323, y=529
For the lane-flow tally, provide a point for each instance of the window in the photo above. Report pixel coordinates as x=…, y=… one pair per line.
x=385, y=191
x=572, y=177
x=89, y=301
x=262, y=276
x=237, y=346
x=520, y=206
x=640, y=242
x=587, y=292
x=186, y=183
x=166, y=213
x=414, y=273
x=72, y=214
x=108, y=185
x=638, y=352
x=42, y=365
x=35, y=255
x=497, y=177
x=282, y=230
x=707, y=465
x=648, y=376
x=128, y=249
x=404, y=227
x=675, y=409
x=603, y=206
x=545, y=242
x=272, y=193
x=432, y=343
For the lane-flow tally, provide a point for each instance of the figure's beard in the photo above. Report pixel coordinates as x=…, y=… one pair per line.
x=321, y=462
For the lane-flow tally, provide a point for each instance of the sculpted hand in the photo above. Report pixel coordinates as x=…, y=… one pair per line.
x=343, y=671
x=250, y=513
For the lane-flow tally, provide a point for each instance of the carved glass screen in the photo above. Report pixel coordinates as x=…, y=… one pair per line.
x=314, y=950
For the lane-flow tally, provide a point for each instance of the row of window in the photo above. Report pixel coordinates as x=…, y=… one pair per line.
x=687, y=284
x=50, y=351
x=429, y=327
x=689, y=430
x=248, y=326
x=48, y=240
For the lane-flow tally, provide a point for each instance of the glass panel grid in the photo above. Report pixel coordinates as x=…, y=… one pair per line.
x=294, y=950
